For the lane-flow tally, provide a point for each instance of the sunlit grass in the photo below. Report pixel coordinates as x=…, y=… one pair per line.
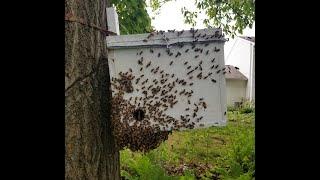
x=228, y=151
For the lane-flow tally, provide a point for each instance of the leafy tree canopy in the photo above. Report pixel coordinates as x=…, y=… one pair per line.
x=133, y=16
x=233, y=16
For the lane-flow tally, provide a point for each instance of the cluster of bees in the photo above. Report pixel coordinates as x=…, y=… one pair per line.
x=135, y=137
x=140, y=121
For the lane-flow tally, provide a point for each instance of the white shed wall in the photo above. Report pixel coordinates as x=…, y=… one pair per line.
x=214, y=94
x=236, y=91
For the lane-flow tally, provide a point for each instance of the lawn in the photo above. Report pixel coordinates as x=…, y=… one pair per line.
x=209, y=153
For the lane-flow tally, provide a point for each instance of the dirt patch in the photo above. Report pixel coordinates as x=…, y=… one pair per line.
x=219, y=140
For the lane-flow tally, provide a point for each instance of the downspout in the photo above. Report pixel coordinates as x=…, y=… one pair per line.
x=250, y=73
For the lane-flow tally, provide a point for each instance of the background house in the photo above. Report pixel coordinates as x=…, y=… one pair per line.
x=242, y=56
x=236, y=84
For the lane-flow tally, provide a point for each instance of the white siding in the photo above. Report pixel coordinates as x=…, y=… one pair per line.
x=236, y=91
x=242, y=55
x=253, y=97
x=239, y=56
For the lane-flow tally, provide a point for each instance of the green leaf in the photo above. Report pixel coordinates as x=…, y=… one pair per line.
x=220, y=13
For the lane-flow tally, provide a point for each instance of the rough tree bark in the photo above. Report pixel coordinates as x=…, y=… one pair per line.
x=89, y=144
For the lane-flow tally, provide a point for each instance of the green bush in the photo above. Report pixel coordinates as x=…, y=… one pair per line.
x=231, y=108
x=247, y=107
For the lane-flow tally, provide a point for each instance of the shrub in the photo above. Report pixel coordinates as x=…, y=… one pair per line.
x=231, y=108
x=247, y=107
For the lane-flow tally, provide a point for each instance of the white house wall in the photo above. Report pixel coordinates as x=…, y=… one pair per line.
x=253, y=74
x=241, y=55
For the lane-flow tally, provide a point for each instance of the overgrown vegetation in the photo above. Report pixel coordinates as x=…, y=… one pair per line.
x=210, y=153
x=244, y=108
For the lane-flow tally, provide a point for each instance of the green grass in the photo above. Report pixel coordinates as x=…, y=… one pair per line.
x=219, y=152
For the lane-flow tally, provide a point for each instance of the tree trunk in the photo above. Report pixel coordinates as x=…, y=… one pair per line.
x=89, y=144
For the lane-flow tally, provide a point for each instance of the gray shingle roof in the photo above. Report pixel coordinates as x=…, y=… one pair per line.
x=233, y=73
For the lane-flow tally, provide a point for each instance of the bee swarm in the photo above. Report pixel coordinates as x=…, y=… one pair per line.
x=140, y=122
